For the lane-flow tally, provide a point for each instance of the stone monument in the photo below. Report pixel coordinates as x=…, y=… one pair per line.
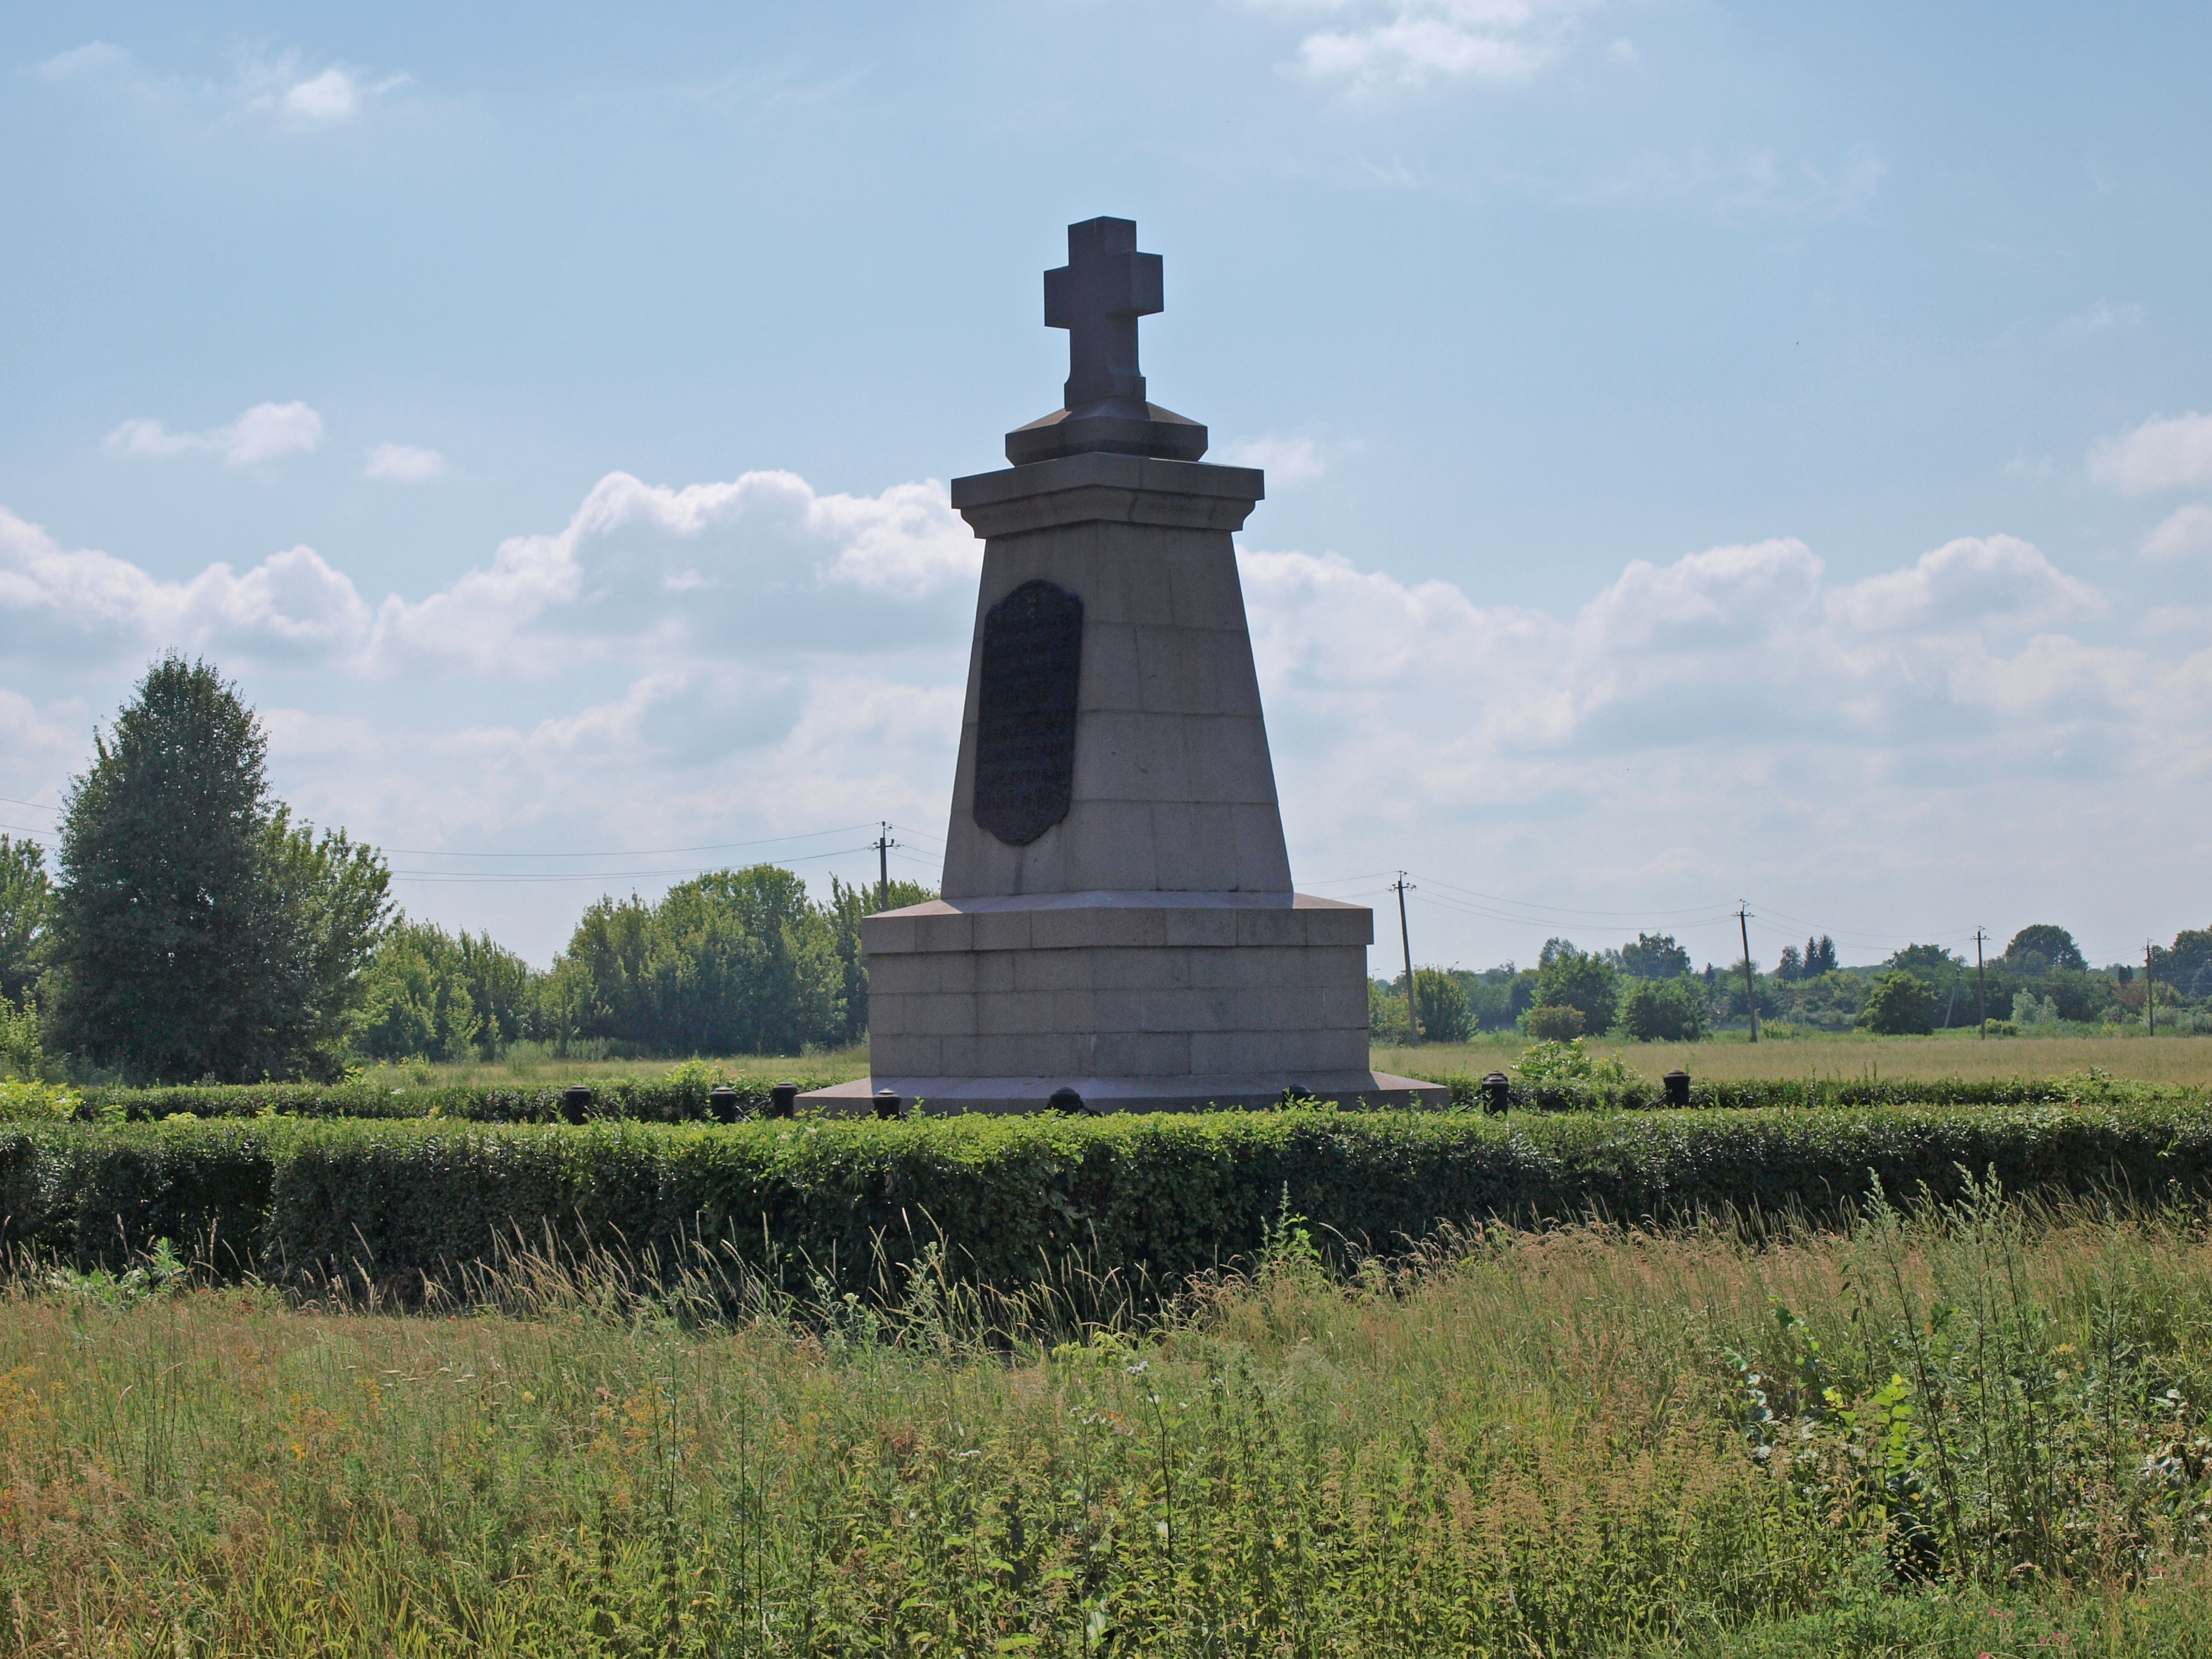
x=1118, y=918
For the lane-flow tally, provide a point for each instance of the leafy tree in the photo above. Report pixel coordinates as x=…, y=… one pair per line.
x=736, y=962
x=846, y=906
x=2187, y=965
x=1386, y=1012
x=1791, y=965
x=1654, y=955
x=196, y=932
x=1663, y=1010
x=27, y=904
x=1899, y=1004
x=1572, y=979
x=1931, y=964
x=2054, y=945
x=1441, y=1001
x=442, y=996
x=1553, y=949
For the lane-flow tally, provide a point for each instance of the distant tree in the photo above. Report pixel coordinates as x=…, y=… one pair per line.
x=1899, y=1004
x=846, y=906
x=1663, y=1010
x=195, y=930
x=2054, y=945
x=27, y=907
x=2187, y=964
x=1791, y=965
x=735, y=962
x=1386, y=1012
x=442, y=996
x=1441, y=1001
x=1654, y=955
x=1820, y=957
x=1931, y=964
x=1572, y=978
x=1553, y=949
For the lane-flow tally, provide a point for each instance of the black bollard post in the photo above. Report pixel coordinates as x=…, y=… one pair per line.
x=1678, y=1088
x=890, y=1104
x=722, y=1101
x=1496, y=1092
x=576, y=1103
x=782, y=1099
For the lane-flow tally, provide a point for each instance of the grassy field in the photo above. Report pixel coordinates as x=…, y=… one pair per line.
x=1981, y=1436
x=2185, y=1061
x=2182, y=1060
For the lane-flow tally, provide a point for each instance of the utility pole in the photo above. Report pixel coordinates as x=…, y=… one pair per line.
x=1406, y=938
x=884, y=844
x=1981, y=987
x=2150, y=993
x=1750, y=986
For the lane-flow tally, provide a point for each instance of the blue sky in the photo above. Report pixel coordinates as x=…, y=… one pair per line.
x=1714, y=451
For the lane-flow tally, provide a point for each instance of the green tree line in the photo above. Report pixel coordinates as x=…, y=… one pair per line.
x=1648, y=990
x=191, y=929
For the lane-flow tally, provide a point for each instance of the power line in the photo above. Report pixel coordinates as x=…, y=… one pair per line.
x=510, y=876
x=629, y=852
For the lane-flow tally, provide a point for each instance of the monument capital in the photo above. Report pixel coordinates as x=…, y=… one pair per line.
x=1098, y=297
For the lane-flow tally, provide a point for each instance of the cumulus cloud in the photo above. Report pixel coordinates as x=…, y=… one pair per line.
x=289, y=603
x=712, y=664
x=1375, y=47
x=300, y=97
x=266, y=432
x=2187, y=531
x=403, y=464
x=2160, y=455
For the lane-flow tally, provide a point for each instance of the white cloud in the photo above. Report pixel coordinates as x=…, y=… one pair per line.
x=300, y=97
x=2189, y=530
x=1754, y=185
x=1386, y=45
x=2103, y=316
x=82, y=60
x=403, y=464
x=678, y=667
x=266, y=432
x=2000, y=582
x=291, y=603
x=1285, y=460
x=2160, y=455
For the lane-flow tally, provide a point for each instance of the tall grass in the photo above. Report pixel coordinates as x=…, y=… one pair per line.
x=2184, y=1061
x=1971, y=1432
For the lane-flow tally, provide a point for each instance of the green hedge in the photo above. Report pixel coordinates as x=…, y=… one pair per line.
x=398, y=1203
x=643, y=1100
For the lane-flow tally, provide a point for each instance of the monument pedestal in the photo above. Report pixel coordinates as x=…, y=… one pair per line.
x=1118, y=916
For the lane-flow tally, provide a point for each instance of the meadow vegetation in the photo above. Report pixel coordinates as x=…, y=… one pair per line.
x=1980, y=1431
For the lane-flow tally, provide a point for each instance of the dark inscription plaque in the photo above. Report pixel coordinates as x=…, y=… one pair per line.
x=1025, y=722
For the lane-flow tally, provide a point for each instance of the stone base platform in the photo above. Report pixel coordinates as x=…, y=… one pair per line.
x=937, y=1096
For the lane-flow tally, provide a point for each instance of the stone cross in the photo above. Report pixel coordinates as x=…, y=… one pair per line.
x=1098, y=296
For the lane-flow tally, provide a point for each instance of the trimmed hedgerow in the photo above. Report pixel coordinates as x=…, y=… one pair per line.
x=399, y=1204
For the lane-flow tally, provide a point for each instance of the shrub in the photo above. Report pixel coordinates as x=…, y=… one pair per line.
x=1663, y=1010
x=1900, y=1005
x=1548, y=1024
x=1442, y=1001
